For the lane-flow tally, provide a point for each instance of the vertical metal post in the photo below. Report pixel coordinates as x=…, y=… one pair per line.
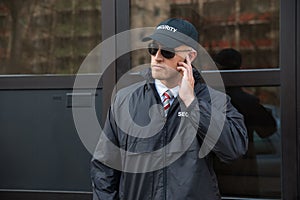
x=123, y=24
x=288, y=64
x=108, y=17
x=298, y=91
x=115, y=19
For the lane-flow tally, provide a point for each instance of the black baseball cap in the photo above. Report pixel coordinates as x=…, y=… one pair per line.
x=175, y=32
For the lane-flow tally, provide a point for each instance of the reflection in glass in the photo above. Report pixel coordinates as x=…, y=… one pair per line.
x=260, y=167
x=251, y=27
x=258, y=172
x=47, y=37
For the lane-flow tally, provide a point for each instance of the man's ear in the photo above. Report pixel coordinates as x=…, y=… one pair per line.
x=193, y=55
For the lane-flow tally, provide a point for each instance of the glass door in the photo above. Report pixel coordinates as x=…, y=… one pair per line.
x=249, y=28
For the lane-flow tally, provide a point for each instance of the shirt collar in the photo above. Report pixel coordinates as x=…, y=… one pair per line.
x=161, y=88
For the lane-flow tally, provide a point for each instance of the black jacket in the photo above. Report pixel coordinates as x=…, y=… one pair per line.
x=163, y=161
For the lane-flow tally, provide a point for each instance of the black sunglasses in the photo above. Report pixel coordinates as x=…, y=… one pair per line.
x=167, y=53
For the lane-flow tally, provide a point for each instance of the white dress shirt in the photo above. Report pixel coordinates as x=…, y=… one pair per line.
x=161, y=89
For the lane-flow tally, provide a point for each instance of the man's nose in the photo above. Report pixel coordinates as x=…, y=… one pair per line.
x=158, y=56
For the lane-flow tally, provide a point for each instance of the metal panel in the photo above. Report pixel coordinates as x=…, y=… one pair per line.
x=43, y=195
x=40, y=147
x=261, y=77
x=231, y=78
x=24, y=82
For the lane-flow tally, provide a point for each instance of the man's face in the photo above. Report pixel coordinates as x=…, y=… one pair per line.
x=165, y=69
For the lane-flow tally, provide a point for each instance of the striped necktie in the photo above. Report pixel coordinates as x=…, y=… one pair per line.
x=166, y=101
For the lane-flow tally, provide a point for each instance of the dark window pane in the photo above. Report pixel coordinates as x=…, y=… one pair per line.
x=47, y=37
x=257, y=174
x=252, y=27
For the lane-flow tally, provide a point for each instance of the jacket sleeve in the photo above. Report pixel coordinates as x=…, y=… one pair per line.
x=105, y=179
x=221, y=127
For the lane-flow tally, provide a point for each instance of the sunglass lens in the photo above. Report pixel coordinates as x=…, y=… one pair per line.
x=167, y=54
x=152, y=51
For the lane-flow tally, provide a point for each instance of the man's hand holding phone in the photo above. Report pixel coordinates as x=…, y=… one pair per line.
x=186, y=84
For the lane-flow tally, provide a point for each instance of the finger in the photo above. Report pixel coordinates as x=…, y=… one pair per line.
x=188, y=60
x=189, y=63
x=186, y=75
x=187, y=67
x=182, y=69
